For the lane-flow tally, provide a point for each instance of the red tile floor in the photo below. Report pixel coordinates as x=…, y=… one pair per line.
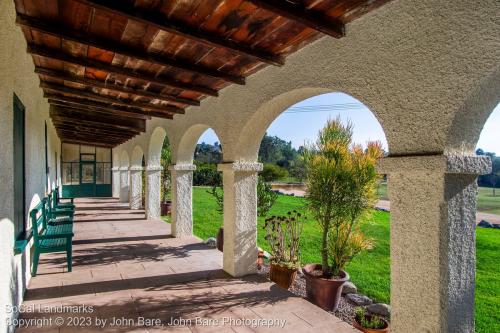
x=130, y=275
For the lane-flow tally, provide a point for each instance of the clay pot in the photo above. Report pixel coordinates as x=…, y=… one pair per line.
x=325, y=293
x=166, y=208
x=282, y=276
x=371, y=330
x=220, y=239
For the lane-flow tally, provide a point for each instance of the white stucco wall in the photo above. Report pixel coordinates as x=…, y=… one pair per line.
x=17, y=76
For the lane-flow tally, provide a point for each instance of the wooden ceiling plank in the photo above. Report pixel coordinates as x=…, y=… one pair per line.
x=53, y=28
x=92, y=131
x=91, y=95
x=162, y=22
x=91, y=63
x=103, y=85
x=98, y=144
x=299, y=13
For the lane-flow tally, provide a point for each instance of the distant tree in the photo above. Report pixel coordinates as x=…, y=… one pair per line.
x=273, y=172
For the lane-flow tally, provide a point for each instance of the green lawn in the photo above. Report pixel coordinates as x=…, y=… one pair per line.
x=486, y=202
x=370, y=271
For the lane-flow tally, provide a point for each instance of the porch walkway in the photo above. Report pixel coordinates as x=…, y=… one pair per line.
x=128, y=267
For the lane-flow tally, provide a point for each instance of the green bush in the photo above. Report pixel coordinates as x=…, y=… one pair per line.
x=273, y=172
x=206, y=175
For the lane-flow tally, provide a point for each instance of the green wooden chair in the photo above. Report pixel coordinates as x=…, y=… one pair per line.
x=58, y=215
x=60, y=204
x=49, y=238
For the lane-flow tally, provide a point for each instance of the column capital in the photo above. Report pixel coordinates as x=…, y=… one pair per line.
x=182, y=167
x=136, y=168
x=451, y=164
x=153, y=168
x=123, y=168
x=240, y=166
x=115, y=169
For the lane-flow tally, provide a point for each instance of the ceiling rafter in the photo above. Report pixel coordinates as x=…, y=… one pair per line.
x=103, y=85
x=91, y=63
x=160, y=21
x=53, y=28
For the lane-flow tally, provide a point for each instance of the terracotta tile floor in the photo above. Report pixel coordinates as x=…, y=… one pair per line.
x=136, y=278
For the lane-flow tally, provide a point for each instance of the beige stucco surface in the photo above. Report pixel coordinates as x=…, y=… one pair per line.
x=17, y=76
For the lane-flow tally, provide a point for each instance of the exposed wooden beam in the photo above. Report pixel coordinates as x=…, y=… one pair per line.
x=125, y=123
x=295, y=11
x=92, y=131
x=160, y=21
x=84, y=104
x=94, y=125
x=91, y=63
x=108, y=99
x=81, y=133
x=55, y=29
x=100, y=84
x=67, y=137
x=98, y=144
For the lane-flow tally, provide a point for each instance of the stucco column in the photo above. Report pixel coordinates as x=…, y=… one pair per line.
x=116, y=182
x=240, y=217
x=182, y=199
x=153, y=188
x=124, y=184
x=136, y=187
x=433, y=254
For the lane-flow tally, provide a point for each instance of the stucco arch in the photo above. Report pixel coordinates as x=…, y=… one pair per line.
x=254, y=129
x=184, y=150
x=471, y=117
x=155, y=144
x=136, y=159
x=124, y=159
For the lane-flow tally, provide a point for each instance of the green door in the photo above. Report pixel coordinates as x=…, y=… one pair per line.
x=19, y=169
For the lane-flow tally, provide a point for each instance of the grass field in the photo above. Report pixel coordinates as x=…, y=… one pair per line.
x=486, y=202
x=370, y=271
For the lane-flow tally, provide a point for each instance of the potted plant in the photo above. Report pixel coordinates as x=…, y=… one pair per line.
x=283, y=237
x=367, y=323
x=166, y=160
x=340, y=190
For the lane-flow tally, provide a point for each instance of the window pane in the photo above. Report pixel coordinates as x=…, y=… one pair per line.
x=70, y=153
x=75, y=173
x=66, y=173
x=99, y=173
x=87, y=157
x=87, y=149
x=103, y=154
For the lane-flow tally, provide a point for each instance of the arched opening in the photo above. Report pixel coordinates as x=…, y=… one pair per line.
x=286, y=136
x=207, y=186
x=487, y=232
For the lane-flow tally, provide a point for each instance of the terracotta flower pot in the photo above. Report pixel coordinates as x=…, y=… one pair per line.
x=220, y=239
x=372, y=330
x=282, y=276
x=325, y=293
x=166, y=207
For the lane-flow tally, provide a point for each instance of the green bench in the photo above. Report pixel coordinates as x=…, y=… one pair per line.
x=57, y=214
x=49, y=238
x=59, y=204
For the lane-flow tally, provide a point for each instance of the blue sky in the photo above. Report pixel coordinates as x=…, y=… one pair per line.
x=301, y=122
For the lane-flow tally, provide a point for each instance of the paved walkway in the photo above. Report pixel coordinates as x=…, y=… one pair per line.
x=129, y=275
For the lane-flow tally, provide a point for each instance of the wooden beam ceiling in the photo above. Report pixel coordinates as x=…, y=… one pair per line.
x=53, y=28
x=121, y=89
x=108, y=99
x=90, y=63
x=160, y=21
x=296, y=11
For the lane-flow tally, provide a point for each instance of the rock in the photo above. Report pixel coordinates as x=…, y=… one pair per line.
x=349, y=288
x=211, y=242
x=380, y=309
x=358, y=299
x=484, y=224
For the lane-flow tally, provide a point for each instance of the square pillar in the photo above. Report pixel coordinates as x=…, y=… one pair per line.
x=116, y=181
x=153, y=188
x=433, y=250
x=136, y=187
x=124, y=184
x=182, y=199
x=240, y=217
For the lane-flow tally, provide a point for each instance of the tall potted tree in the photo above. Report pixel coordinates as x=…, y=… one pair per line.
x=341, y=189
x=166, y=160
